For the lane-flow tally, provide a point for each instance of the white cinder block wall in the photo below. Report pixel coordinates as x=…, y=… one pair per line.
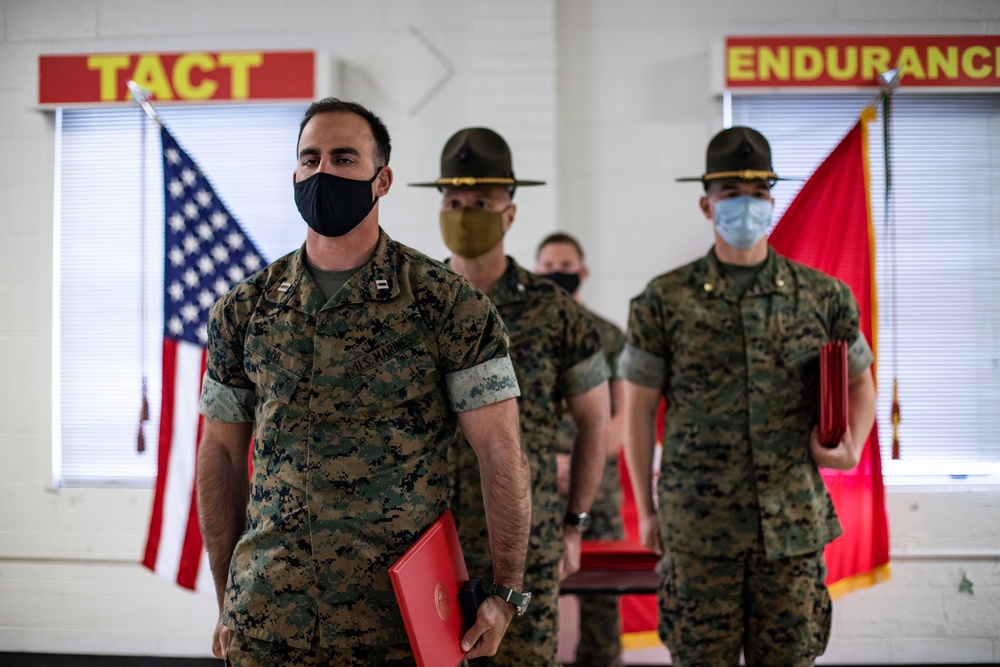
x=608, y=101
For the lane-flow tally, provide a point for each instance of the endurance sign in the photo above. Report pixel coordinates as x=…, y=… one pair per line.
x=194, y=76
x=923, y=61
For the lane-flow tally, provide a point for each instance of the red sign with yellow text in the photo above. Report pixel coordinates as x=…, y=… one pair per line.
x=194, y=76
x=923, y=61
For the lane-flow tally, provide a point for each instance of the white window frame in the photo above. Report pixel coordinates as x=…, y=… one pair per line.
x=803, y=129
x=248, y=154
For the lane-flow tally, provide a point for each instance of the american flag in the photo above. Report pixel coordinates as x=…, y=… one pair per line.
x=206, y=253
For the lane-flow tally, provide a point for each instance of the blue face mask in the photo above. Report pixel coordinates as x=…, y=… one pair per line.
x=742, y=221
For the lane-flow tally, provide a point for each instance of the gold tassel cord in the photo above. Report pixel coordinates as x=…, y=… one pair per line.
x=895, y=419
x=143, y=417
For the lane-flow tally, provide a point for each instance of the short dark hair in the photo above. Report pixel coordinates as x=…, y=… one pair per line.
x=380, y=132
x=560, y=237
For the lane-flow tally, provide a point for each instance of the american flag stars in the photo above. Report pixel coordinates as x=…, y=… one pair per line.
x=207, y=252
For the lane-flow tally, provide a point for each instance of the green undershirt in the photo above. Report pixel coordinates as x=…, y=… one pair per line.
x=329, y=282
x=741, y=277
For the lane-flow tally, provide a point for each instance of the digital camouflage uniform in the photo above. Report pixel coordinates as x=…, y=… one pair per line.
x=353, y=403
x=556, y=354
x=600, y=625
x=737, y=485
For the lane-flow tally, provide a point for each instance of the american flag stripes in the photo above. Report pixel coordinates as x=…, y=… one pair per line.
x=205, y=254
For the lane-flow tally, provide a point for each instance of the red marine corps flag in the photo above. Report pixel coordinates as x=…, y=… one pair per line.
x=206, y=253
x=828, y=226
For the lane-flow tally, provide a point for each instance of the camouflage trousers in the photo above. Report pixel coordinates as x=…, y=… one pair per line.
x=779, y=611
x=600, y=625
x=249, y=652
x=600, y=632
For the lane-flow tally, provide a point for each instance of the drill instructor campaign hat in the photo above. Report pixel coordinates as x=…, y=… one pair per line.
x=476, y=156
x=740, y=153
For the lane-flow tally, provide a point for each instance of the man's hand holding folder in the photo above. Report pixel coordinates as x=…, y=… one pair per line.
x=427, y=581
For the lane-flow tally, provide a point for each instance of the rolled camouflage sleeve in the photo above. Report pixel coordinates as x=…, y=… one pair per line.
x=581, y=366
x=859, y=356
x=846, y=325
x=484, y=384
x=473, y=351
x=585, y=375
x=227, y=394
x=641, y=367
x=645, y=356
x=225, y=404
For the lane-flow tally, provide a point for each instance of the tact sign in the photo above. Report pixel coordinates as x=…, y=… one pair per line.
x=193, y=76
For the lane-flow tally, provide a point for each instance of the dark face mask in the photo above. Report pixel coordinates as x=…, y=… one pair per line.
x=333, y=205
x=568, y=281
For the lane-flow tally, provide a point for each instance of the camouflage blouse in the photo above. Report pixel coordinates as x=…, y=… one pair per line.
x=353, y=403
x=740, y=377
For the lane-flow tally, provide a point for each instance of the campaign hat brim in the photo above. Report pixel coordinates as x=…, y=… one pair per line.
x=474, y=181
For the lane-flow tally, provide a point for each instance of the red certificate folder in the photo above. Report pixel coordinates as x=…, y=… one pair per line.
x=833, y=405
x=426, y=580
x=616, y=555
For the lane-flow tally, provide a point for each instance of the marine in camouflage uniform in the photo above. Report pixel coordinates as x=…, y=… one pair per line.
x=743, y=511
x=606, y=512
x=560, y=258
x=557, y=358
x=600, y=622
x=556, y=354
x=353, y=399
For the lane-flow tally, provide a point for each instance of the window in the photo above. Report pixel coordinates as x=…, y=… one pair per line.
x=109, y=262
x=946, y=166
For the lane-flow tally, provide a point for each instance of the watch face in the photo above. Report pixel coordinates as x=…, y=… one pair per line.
x=579, y=521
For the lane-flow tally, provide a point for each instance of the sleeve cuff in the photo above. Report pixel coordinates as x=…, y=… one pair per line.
x=641, y=367
x=859, y=356
x=224, y=403
x=483, y=384
x=585, y=375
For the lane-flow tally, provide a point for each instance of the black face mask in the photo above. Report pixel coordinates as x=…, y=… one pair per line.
x=568, y=281
x=333, y=205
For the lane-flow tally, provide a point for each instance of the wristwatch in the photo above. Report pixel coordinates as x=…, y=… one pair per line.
x=579, y=521
x=519, y=600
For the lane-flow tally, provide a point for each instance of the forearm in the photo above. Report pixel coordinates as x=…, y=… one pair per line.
x=587, y=462
x=861, y=399
x=591, y=413
x=617, y=427
x=507, y=501
x=640, y=442
x=223, y=491
x=494, y=433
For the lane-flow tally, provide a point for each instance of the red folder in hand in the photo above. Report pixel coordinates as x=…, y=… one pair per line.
x=426, y=580
x=833, y=404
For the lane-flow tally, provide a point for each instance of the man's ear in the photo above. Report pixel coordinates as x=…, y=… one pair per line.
x=584, y=272
x=508, y=216
x=383, y=181
x=706, y=208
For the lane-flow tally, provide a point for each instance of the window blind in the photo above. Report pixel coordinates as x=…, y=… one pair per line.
x=109, y=261
x=946, y=215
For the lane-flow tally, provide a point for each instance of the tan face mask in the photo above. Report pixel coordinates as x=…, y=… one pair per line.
x=471, y=232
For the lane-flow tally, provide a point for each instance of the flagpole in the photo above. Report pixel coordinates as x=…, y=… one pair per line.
x=889, y=82
x=141, y=96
